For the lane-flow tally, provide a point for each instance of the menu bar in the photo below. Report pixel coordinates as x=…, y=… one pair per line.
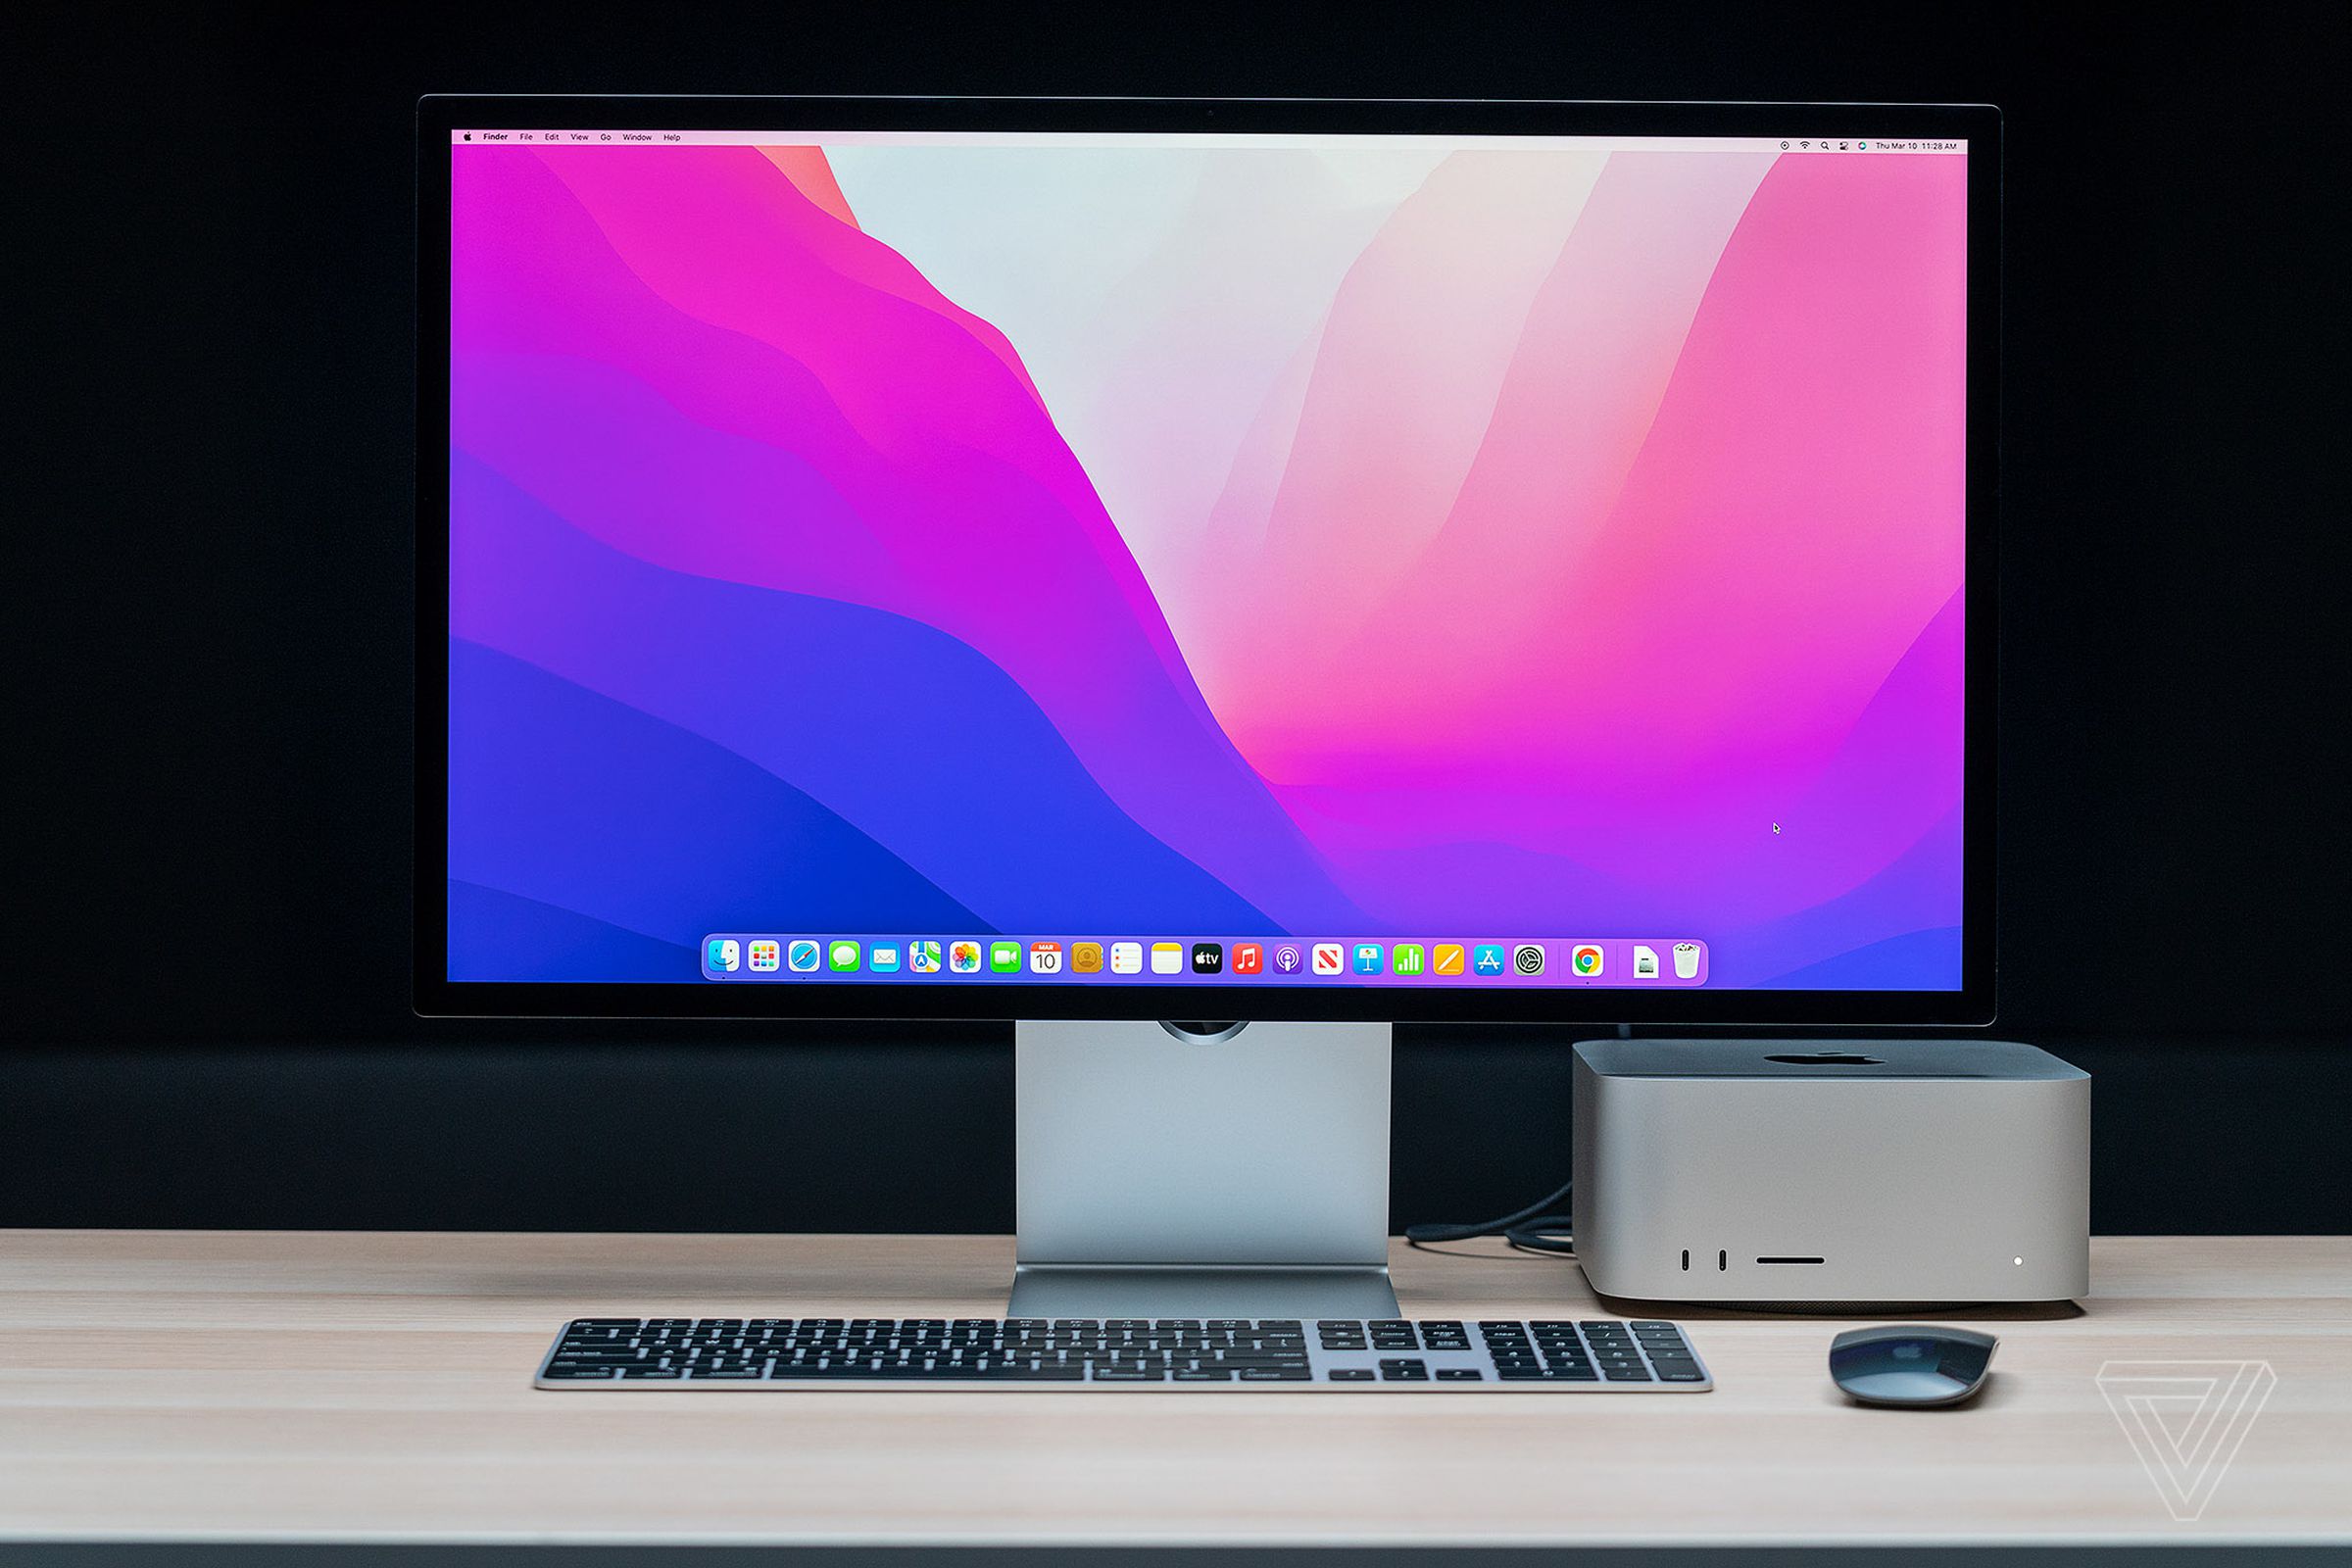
x=656, y=138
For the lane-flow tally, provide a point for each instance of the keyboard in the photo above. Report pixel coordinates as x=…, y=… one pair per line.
x=878, y=1352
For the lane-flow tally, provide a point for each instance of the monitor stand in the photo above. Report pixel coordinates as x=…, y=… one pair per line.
x=1203, y=1170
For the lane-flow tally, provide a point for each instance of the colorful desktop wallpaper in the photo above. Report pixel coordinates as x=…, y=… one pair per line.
x=1146, y=537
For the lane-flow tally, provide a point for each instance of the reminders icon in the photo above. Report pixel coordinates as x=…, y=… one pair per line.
x=1126, y=958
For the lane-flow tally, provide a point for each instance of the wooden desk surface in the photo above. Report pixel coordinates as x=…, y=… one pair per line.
x=349, y=1387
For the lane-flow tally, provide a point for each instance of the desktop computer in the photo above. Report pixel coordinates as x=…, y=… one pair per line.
x=1203, y=582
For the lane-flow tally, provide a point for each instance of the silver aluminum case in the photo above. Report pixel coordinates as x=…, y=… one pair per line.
x=1938, y=1172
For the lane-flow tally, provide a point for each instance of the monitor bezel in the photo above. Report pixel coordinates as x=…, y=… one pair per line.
x=434, y=995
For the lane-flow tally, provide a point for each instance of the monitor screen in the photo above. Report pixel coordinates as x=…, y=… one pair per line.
x=958, y=558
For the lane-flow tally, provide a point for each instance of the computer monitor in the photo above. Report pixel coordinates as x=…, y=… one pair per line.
x=1125, y=561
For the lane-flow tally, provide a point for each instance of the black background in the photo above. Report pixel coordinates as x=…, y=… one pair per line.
x=209, y=612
